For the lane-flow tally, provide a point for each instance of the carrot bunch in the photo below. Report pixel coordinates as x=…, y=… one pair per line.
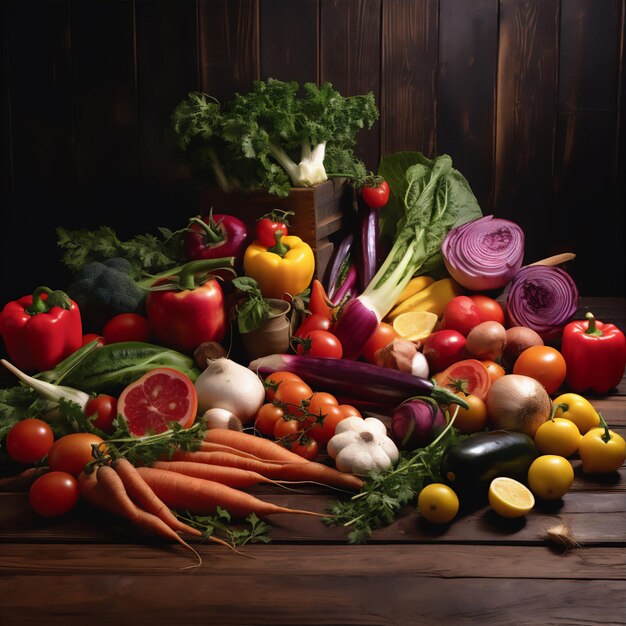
x=202, y=482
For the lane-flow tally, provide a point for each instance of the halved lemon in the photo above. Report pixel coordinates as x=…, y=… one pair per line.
x=510, y=498
x=415, y=325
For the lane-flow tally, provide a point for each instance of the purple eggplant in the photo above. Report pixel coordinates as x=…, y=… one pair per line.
x=364, y=385
x=368, y=251
x=339, y=264
x=348, y=286
x=416, y=423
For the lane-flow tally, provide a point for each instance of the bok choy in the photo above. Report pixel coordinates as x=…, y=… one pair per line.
x=428, y=198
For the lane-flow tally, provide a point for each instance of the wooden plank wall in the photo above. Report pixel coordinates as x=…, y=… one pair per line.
x=527, y=96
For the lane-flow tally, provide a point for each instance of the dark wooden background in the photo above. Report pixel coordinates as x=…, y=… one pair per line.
x=527, y=96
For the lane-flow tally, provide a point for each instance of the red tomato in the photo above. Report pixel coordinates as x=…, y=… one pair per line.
x=461, y=314
x=305, y=447
x=375, y=196
x=29, y=440
x=273, y=381
x=126, y=327
x=89, y=337
x=103, y=409
x=443, y=348
x=495, y=369
x=349, y=411
x=383, y=336
x=544, y=364
x=320, y=343
x=468, y=375
x=291, y=396
x=72, y=452
x=490, y=309
x=266, y=418
x=266, y=228
x=287, y=430
x=322, y=433
x=53, y=494
x=313, y=322
x=316, y=408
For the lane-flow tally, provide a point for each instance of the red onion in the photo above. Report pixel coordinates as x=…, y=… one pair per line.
x=484, y=254
x=543, y=298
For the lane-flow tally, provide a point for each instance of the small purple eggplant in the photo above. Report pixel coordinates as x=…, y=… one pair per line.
x=416, y=423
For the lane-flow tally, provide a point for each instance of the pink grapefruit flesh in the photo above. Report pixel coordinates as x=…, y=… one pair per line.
x=159, y=397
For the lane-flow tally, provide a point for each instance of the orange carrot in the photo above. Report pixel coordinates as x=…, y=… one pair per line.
x=257, y=446
x=309, y=471
x=203, y=497
x=230, y=476
x=140, y=492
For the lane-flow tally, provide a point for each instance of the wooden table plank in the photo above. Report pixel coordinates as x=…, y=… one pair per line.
x=336, y=585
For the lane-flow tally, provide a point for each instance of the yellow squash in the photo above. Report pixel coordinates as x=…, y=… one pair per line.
x=432, y=298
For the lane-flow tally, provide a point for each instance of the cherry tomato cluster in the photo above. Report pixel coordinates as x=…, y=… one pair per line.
x=314, y=337
x=31, y=442
x=297, y=417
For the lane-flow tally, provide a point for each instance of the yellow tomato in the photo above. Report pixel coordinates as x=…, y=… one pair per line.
x=576, y=409
x=472, y=419
x=558, y=436
x=438, y=503
x=550, y=476
x=602, y=451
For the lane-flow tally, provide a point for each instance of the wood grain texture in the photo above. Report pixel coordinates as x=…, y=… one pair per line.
x=526, y=111
x=408, y=100
x=350, y=44
x=228, y=40
x=289, y=48
x=167, y=70
x=466, y=91
x=419, y=585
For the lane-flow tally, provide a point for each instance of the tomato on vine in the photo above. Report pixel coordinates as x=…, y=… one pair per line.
x=375, y=192
x=267, y=226
x=266, y=418
x=306, y=447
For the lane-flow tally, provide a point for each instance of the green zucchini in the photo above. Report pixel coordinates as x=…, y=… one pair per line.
x=114, y=366
x=471, y=465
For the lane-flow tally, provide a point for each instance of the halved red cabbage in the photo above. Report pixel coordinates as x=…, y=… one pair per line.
x=484, y=254
x=542, y=297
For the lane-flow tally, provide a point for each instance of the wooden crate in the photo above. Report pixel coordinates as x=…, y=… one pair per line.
x=319, y=212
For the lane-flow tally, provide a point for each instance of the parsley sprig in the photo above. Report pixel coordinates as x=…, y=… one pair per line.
x=220, y=525
x=384, y=494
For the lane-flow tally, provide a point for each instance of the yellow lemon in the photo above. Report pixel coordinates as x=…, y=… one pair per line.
x=509, y=498
x=415, y=325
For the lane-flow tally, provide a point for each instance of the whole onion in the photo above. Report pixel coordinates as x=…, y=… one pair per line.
x=484, y=254
x=416, y=423
x=519, y=403
x=543, y=298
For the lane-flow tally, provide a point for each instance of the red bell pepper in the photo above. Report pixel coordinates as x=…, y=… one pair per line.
x=215, y=236
x=594, y=353
x=187, y=308
x=41, y=330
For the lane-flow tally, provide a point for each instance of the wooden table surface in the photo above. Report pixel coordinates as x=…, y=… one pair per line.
x=90, y=568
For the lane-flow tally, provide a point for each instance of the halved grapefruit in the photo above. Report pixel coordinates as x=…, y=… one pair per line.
x=161, y=396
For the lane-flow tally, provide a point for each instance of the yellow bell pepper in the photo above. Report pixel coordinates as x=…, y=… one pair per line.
x=432, y=298
x=286, y=267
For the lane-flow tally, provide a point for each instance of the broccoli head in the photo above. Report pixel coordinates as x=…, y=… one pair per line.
x=104, y=289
